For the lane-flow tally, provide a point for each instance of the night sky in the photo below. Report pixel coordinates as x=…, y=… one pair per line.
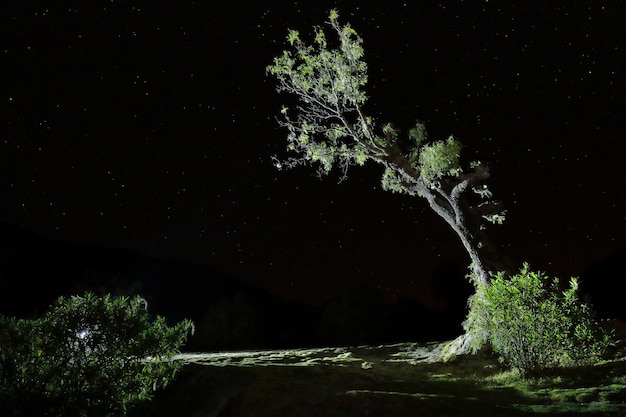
x=151, y=126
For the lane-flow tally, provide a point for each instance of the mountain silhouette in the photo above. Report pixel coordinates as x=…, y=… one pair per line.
x=229, y=314
x=35, y=271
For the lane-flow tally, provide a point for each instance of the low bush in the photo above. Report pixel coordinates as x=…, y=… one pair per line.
x=87, y=355
x=532, y=324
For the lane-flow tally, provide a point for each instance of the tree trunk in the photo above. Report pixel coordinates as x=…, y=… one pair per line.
x=467, y=225
x=462, y=345
x=486, y=262
x=448, y=198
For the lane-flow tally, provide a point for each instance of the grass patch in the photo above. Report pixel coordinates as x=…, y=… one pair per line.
x=507, y=377
x=402, y=379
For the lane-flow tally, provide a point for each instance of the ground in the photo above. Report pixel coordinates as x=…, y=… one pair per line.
x=405, y=379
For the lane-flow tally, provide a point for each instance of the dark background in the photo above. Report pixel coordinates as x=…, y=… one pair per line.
x=136, y=142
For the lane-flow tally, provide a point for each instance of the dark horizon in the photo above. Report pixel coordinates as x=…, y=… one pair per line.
x=178, y=290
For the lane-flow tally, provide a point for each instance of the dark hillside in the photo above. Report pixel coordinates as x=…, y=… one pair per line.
x=34, y=271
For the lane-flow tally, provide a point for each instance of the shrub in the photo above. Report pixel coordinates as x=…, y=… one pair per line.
x=532, y=324
x=86, y=356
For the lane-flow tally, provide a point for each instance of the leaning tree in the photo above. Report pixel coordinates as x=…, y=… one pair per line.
x=329, y=128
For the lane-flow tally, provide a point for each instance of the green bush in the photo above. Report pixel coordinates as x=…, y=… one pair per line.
x=533, y=324
x=87, y=356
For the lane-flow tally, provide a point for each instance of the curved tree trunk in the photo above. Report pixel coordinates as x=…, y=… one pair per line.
x=466, y=220
x=485, y=263
x=483, y=254
x=448, y=197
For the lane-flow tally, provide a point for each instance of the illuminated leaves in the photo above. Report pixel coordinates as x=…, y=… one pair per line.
x=88, y=356
x=391, y=182
x=438, y=159
x=293, y=37
x=329, y=128
x=328, y=82
x=532, y=324
x=417, y=134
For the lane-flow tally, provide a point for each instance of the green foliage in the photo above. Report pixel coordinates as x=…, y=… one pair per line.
x=330, y=127
x=533, y=325
x=417, y=136
x=418, y=133
x=86, y=356
x=329, y=83
x=391, y=182
x=440, y=158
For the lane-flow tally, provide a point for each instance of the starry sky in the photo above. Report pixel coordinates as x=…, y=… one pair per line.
x=151, y=126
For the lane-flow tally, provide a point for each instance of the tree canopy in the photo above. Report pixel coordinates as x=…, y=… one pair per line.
x=329, y=128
